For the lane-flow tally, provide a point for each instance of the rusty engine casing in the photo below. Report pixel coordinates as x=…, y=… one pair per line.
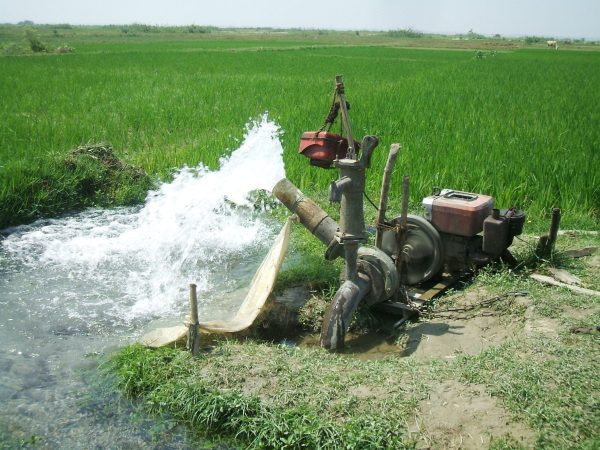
x=461, y=217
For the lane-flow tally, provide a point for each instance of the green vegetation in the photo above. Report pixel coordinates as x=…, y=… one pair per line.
x=84, y=177
x=405, y=33
x=520, y=126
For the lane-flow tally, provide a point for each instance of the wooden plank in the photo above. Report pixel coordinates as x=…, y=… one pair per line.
x=549, y=280
x=577, y=232
x=564, y=276
x=580, y=252
x=443, y=285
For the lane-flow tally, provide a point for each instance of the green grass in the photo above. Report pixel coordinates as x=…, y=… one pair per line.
x=313, y=410
x=521, y=125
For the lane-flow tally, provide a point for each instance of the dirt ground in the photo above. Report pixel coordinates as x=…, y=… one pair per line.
x=459, y=416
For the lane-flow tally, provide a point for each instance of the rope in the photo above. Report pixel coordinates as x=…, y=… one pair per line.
x=298, y=200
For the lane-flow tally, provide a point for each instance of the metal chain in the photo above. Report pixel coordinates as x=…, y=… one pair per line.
x=465, y=309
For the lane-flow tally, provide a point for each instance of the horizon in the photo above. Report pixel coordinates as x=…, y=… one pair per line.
x=576, y=19
x=27, y=22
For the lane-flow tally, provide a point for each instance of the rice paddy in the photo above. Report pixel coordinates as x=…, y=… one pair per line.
x=499, y=116
x=521, y=124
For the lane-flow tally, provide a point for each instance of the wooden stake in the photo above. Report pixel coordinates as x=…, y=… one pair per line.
x=404, y=210
x=401, y=237
x=545, y=246
x=345, y=120
x=193, y=342
x=385, y=187
x=553, y=282
x=554, y=227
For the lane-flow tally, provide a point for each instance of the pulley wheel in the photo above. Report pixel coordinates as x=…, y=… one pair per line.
x=422, y=249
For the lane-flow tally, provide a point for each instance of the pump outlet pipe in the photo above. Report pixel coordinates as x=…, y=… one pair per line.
x=311, y=215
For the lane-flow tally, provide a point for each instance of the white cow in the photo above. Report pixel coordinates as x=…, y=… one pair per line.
x=553, y=44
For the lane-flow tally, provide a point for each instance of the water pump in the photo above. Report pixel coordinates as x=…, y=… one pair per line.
x=408, y=249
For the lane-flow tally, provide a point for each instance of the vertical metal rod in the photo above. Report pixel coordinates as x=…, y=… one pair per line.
x=193, y=342
x=385, y=187
x=339, y=87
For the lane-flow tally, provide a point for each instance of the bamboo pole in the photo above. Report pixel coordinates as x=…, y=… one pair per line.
x=385, y=187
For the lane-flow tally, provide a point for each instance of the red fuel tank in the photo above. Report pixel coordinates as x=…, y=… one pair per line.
x=456, y=212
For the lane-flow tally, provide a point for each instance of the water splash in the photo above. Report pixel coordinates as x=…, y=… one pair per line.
x=113, y=266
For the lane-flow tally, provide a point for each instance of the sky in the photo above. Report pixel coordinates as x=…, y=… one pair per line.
x=558, y=18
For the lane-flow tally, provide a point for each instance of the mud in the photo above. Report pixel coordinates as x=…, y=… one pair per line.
x=448, y=338
x=440, y=337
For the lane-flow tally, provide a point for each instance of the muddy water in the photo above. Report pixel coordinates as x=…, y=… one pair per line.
x=74, y=289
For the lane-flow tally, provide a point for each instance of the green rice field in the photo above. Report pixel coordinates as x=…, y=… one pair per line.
x=521, y=123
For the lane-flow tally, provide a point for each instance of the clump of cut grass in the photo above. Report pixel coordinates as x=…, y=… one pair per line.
x=87, y=176
x=306, y=264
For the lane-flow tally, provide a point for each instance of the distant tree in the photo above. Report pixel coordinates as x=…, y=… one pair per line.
x=472, y=35
x=198, y=29
x=537, y=39
x=405, y=33
x=35, y=44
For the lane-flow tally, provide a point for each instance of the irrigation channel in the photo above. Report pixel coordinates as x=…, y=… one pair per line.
x=75, y=288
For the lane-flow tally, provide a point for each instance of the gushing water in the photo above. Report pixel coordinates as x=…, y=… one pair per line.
x=69, y=286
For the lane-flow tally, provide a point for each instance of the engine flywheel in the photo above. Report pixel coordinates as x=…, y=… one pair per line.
x=422, y=249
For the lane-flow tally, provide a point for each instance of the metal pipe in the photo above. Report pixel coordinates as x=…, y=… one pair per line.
x=310, y=215
x=339, y=314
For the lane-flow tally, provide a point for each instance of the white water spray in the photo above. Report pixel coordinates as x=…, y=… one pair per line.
x=129, y=263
